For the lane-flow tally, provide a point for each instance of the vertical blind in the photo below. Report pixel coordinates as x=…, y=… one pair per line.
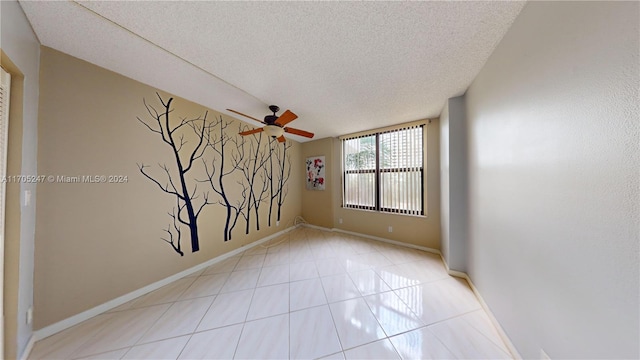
x=384, y=171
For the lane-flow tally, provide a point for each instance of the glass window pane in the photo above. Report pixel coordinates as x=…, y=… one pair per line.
x=360, y=189
x=401, y=191
x=400, y=172
x=401, y=149
x=360, y=153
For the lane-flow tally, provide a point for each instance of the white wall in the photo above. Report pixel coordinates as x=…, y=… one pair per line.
x=554, y=152
x=454, y=194
x=445, y=218
x=20, y=44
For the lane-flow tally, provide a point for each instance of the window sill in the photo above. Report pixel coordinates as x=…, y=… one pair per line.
x=385, y=212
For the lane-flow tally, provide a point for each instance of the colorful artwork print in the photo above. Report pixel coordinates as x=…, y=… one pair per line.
x=315, y=173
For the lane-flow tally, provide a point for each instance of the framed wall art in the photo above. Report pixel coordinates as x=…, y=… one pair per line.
x=316, y=179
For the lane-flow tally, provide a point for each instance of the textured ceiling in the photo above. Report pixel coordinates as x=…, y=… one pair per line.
x=341, y=66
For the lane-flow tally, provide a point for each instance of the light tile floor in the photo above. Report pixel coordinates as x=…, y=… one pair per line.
x=307, y=294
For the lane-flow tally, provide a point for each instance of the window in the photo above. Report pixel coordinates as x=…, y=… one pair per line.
x=384, y=171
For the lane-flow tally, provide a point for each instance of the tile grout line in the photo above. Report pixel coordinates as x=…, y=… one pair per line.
x=333, y=321
x=215, y=296
x=71, y=356
x=307, y=244
x=244, y=323
x=195, y=330
x=83, y=343
x=483, y=334
x=183, y=347
x=102, y=352
x=379, y=324
x=335, y=327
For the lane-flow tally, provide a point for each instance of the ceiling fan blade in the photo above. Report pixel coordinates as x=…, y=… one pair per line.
x=286, y=118
x=245, y=115
x=298, y=132
x=254, y=131
x=281, y=139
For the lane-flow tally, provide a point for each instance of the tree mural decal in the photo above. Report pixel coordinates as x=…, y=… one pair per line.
x=284, y=172
x=218, y=143
x=173, y=134
x=253, y=170
x=273, y=189
x=240, y=173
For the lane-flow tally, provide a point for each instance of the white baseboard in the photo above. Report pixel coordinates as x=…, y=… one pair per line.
x=389, y=241
x=85, y=315
x=316, y=227
x=458, y=274
x=28, y=348
x=503, y=335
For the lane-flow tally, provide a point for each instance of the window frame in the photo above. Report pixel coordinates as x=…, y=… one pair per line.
x=378, y=171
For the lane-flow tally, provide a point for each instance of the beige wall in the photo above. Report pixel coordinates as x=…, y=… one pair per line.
x=317, y=206
x=326, y=209
x=12, y=214
x=95, y=242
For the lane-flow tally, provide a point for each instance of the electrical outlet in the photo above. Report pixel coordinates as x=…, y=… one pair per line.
x=277, y=222
x=340, y=221
x=390, y=228
x=29, y=315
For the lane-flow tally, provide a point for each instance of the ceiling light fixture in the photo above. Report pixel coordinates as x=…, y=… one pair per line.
x=274, y=131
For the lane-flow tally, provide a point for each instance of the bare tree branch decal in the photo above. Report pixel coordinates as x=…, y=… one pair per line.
x=173, y=135
x=255, y=190
x=174, y=242
x=219, y=144
x=273, y=190
x=284, y=167
x=241, y=173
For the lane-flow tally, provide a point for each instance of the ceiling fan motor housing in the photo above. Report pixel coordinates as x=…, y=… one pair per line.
x=270, y=119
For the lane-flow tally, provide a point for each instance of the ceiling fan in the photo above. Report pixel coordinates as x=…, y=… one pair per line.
x=275, y=125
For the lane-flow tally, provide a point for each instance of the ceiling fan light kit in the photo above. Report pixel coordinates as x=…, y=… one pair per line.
x=274, y=131
x=275, y=125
